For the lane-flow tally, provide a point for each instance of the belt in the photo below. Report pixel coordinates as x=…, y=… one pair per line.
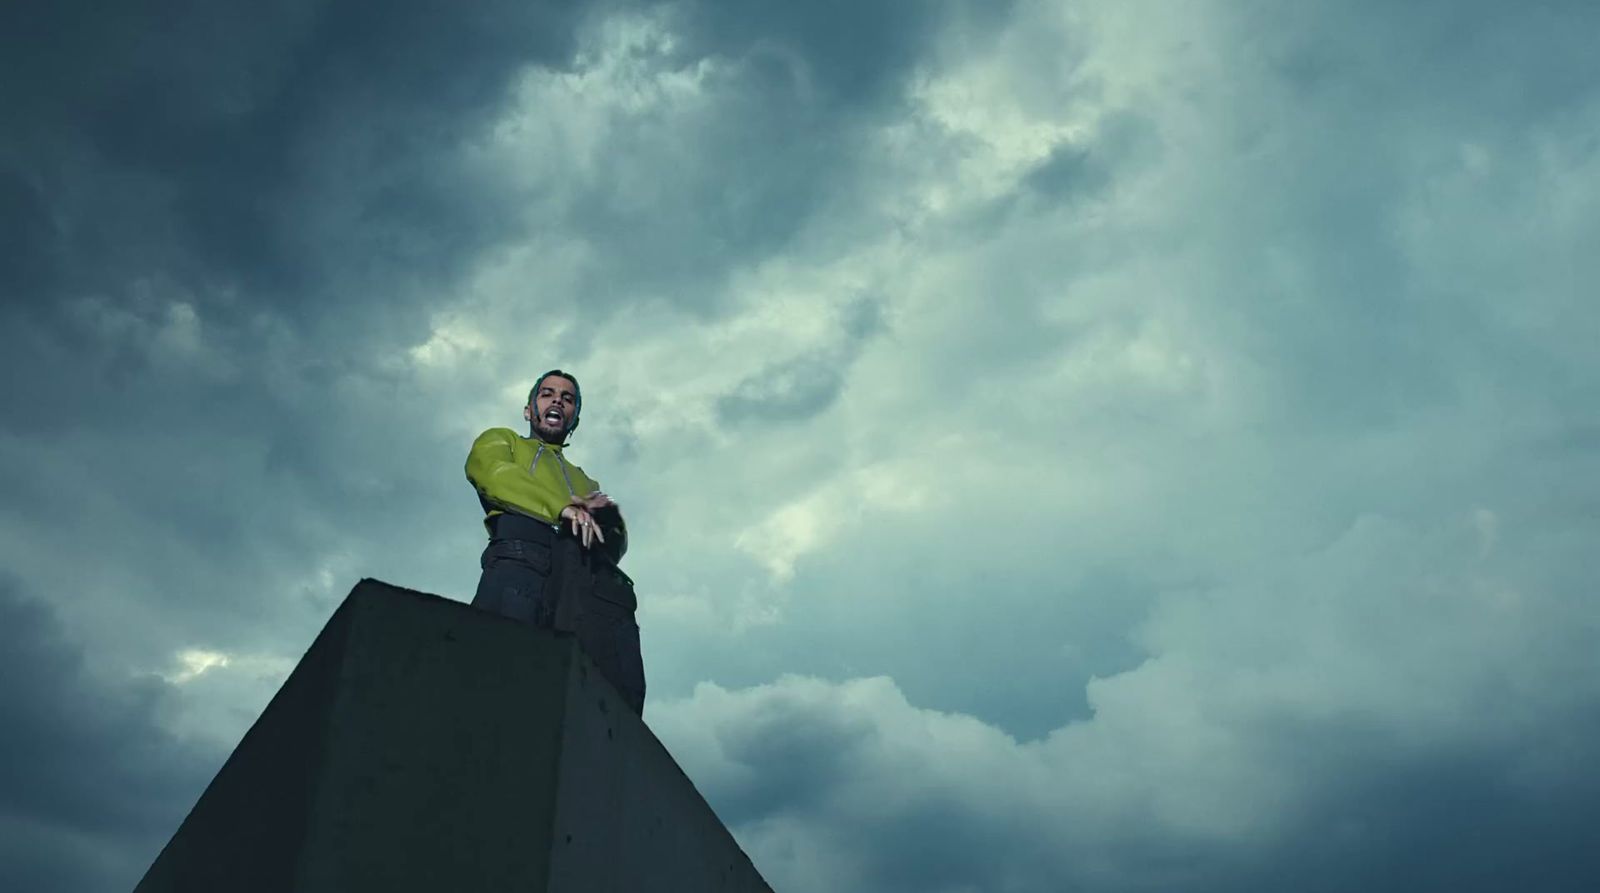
x=510, y=526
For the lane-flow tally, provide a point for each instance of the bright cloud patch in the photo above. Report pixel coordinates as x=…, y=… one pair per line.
x=192, y=663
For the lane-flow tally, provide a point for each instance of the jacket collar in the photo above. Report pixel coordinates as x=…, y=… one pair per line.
x=537, y=442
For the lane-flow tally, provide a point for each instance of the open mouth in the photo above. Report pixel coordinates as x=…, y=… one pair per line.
x=553, y=418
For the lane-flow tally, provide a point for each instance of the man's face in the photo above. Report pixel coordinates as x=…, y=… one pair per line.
x=555, y=401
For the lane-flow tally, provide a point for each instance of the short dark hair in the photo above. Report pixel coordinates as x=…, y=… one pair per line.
x=577, y=395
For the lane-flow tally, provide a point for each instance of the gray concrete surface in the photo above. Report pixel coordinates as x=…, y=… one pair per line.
x=423, y=745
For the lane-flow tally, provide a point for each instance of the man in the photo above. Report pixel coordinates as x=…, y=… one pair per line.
x=554, y=537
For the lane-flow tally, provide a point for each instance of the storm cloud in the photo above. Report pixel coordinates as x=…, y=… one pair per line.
x=1065, y=445
x=90, y=782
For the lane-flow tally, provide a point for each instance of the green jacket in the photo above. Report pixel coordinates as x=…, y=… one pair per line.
x=517, y=474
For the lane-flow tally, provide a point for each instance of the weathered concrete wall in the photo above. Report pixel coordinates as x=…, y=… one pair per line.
x=423, y=745
x=620, y=793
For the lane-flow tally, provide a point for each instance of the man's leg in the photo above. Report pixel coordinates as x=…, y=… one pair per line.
x=515, y=581
x=609, y=634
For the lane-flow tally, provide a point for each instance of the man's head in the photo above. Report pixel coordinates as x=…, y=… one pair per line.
x=553, y=406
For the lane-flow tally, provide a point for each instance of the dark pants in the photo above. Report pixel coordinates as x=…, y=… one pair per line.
x=550, y=581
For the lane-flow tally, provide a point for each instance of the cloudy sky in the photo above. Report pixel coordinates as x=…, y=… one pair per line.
x=1110, y=446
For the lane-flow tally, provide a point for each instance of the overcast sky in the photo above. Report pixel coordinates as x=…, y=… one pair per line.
x=1110, y=446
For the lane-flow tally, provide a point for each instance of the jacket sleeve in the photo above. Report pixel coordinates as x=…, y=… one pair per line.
x=610, y=520
x=505, y=484
x=616, y=533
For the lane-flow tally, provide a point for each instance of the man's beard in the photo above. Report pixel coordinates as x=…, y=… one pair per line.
x=550, y=433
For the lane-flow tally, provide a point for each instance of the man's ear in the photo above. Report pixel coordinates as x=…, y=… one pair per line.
x=527, y=413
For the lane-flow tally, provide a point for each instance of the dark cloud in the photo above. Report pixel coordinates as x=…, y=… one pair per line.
x=89, y=783
x=939, y=803
x=1469, y=64
x=233, y=221
x=293, y=153
x=1123, y=143
x=1396, y=819
x=800, y=388
x=776, y=146
x=27, y=266
x=748, y=173
x=790, y=391
x=293, y=179
x=1067, y=171
x=1320, y=193
x=240, y=215
x=852, y=53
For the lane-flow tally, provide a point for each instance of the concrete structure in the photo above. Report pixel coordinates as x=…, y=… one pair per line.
x=422, y=745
